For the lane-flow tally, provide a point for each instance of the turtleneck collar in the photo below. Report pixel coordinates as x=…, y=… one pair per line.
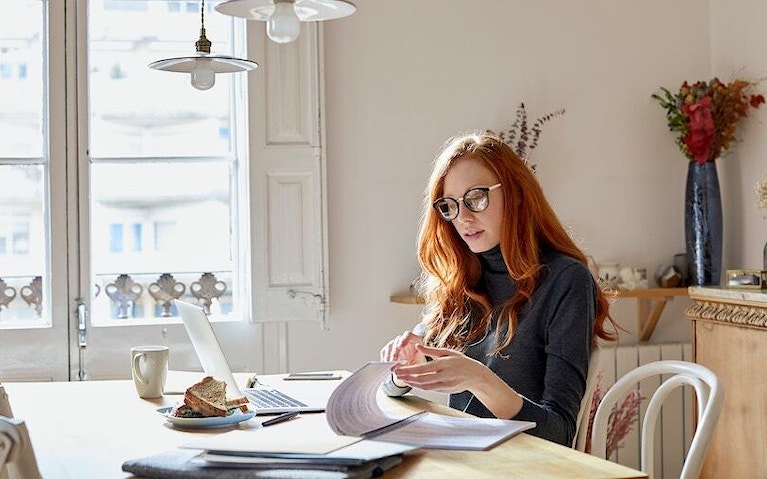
x=496, y=280
x=492, y=260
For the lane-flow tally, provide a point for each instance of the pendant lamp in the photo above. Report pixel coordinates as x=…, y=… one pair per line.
x=203, y=66
x=283, y=17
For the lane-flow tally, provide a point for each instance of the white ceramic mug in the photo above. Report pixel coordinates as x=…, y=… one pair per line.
x=149, y=367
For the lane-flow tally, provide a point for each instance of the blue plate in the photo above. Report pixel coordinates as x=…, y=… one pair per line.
x=235, y=417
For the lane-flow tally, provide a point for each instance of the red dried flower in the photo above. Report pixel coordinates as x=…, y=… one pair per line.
x=701, y=130
x=705, y=115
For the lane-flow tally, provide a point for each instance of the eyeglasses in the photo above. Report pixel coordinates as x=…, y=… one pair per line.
x=475, y=199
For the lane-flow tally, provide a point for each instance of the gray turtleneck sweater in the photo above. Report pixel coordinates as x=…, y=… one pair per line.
x=547, y=359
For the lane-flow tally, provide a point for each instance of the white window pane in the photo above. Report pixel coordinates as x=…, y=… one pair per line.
x=140, y=112
x=22, y=245
x=21, y=78
x=162, y=163
x=166, y=217
x=190, y=202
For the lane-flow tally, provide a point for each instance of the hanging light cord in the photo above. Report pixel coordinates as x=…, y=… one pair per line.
x=202, y=44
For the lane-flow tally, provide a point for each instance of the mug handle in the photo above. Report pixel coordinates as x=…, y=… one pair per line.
x=137, y=369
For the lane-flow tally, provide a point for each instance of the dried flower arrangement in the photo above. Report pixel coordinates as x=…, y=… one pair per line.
x=705, y=115
x=522, y=137
x=622, y=417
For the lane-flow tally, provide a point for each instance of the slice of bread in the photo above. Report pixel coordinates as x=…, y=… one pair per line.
x=208, y=398
x=241, y=402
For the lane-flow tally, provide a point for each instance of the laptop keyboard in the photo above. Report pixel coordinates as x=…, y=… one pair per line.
x=271, y=398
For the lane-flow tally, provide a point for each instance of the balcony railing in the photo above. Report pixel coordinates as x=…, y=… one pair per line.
x=128, y=296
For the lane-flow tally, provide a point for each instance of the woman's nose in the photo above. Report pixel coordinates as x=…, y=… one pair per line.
x=465, y=215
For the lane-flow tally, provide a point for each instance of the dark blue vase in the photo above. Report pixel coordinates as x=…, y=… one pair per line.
x=703, y=224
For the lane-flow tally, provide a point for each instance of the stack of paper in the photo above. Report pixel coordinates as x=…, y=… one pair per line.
x=186, y=464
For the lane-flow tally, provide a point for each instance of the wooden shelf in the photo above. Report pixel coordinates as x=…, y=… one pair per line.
x=406, y=298
x=650, y=304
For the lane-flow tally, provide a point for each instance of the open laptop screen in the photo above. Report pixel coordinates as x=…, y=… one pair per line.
x=206, y=345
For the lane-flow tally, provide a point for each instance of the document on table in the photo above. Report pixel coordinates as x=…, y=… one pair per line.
x=353, y=410
x=306, y=434
x=304, y=442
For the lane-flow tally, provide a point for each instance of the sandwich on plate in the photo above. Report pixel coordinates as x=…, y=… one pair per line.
x=207, y=398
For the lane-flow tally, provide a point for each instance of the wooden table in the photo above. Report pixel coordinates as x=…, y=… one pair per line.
x=88, y=429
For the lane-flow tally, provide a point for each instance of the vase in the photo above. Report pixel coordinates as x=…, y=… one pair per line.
x=703, y=224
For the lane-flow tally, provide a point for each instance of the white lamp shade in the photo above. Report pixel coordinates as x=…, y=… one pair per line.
x=307, y=10
x=216, y=63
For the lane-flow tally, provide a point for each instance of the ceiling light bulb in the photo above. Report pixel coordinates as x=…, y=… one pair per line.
x=283, y=25
x=202, y=76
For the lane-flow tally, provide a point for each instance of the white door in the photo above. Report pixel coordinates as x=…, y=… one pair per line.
x=162, y=187
x=148, y=198
x=33, y=226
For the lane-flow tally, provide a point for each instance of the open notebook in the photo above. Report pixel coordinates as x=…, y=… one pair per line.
x=264, y=399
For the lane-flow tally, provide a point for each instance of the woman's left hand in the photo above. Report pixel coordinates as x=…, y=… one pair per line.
x=449, y=371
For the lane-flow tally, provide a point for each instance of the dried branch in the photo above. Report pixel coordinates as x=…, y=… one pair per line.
x=622, y=418
x=522, y=137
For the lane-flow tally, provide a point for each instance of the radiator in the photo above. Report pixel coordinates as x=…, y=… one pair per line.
x=674, y=433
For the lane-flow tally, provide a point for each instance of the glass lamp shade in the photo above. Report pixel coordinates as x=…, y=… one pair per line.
x=307, y=10
x=203, y=68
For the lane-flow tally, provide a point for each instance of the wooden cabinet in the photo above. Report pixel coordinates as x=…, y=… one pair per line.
x=730, y=338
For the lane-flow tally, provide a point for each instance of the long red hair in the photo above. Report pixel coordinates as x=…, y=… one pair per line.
x=452, y=271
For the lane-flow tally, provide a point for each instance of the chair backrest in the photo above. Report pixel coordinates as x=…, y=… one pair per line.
x=584, y=414
x=709, y=394
x=17, y=456
x=16, y=452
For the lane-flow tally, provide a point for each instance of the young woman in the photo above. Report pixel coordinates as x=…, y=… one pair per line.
x=512, y=311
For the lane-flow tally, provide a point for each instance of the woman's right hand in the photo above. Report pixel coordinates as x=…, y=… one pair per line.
x=402, y=349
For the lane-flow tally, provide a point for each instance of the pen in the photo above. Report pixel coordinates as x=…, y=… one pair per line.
x=281, y=418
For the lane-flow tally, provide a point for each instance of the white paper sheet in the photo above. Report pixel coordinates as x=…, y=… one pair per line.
x=354, y=411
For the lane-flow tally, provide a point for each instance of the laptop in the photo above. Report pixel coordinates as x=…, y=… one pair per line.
x=264, y=399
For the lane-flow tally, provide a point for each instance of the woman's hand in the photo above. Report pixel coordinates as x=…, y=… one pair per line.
x=449, y=371
x=452, y=372
x=402, y=349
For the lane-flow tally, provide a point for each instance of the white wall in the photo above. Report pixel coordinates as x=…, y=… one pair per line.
x=403, y=75
x=738, y=38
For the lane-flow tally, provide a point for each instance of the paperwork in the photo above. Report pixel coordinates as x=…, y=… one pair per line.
x=355, y=427
x=306, y=434
x=353, y=410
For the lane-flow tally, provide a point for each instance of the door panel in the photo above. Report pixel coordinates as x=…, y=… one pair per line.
x=33, y=246
x=160, y=166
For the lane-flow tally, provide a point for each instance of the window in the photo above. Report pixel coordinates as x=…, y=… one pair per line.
x=171, y=172
x=24, y=225
x=131, y=187
x=149, y=163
